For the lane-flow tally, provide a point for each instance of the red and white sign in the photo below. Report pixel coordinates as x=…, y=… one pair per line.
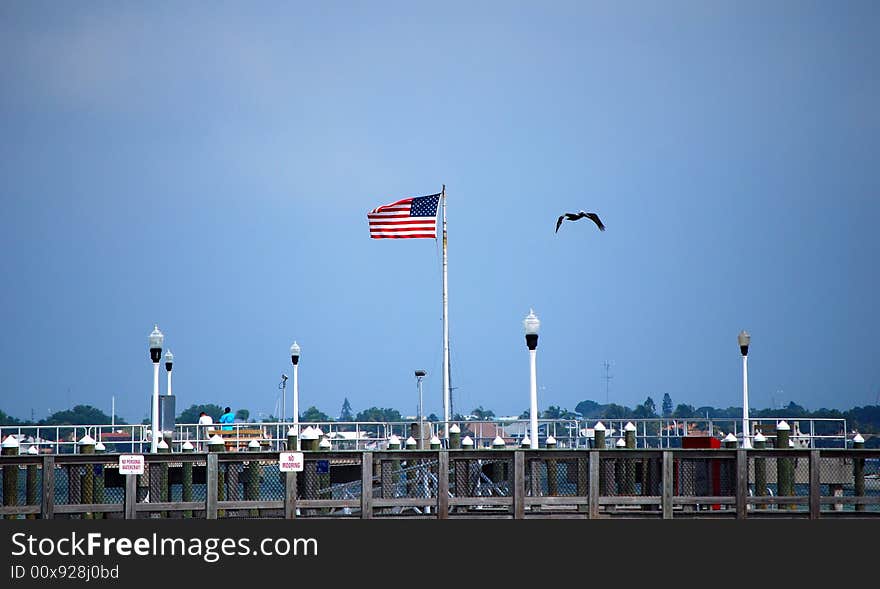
x=290, y=461
x=131, y=464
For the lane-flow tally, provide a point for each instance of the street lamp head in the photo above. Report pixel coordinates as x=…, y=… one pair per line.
x=420, y=373
x=531, y=324
x=294, y=353
x=744, y=338
x=156, y=341
x=169, y=360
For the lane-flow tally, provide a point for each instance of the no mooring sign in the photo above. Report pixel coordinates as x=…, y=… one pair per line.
x=290, y=461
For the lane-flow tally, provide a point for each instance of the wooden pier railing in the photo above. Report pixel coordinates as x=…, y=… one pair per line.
x=450, y=484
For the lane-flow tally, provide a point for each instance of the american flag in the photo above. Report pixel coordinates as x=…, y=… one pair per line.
x=407, y=218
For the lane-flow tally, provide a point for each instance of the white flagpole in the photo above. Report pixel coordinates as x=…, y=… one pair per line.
x=445, y=327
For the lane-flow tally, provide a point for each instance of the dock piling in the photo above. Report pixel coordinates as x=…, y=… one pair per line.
x=859, y=472
x=10, y=447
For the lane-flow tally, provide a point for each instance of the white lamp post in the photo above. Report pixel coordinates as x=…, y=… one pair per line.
x=294, y=359
x=156, y=340
x=420, y=374
x=169, y=364
x=531, y=325
x=744, y=338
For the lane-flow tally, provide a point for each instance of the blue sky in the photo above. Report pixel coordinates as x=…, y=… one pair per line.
x=209, y=166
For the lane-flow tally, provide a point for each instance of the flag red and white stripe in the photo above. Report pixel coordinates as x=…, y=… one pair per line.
x=409, y=218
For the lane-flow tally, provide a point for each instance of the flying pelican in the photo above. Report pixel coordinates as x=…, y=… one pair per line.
x=580, y=215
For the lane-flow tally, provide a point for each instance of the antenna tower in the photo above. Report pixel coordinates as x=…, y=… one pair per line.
x=607, y=378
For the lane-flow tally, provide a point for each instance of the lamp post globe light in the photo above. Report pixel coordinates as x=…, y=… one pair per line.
x=744, y=339
x=156, y=340
x=294, y=359
x=531, y=326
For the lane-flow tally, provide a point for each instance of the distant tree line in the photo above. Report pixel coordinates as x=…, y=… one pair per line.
x=79, y=415
x=863, y=419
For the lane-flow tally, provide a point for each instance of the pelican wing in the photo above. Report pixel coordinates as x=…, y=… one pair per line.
x=595, y=219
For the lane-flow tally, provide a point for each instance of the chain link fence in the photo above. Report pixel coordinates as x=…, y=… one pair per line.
x=774, y=475
x=844, y=477
x=95, y=482
x=183, y=480
x=481, y=482
x=22, y=485
x=405, y=476
x=334, y=479
x=557, y=477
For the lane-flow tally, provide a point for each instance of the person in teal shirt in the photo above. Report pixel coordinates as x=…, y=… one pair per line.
x=227, y=417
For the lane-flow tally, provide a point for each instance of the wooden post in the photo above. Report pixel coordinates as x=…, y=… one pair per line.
x=212, y=480
x=552, y=469
x=87, y=494
x=99, y=479
x=726, y=470
x=461, y=469
x=32, y=486
x=859, y=471
x=289, y=495
x=454, y=437
x=784, y=467
x=417, y=433
x=308, y=440
x=519, y=485
x=391, y=475
x=367, y=485
x=498, y=465
x=594, y=485
x=668, y=490
x=535, y=489
x=629, y=434
x=162, y=470
x=760, y=468
x=471, y=472
x=291, y=439
x=187, y=478
x=143, y=484
x=324, y=478
x=410, y=474
x=47, y=506
x=252, y=487
x=131, y=492
x=443, y=484
x=10, y=447
x=215, y=478
x=815, y=494
x=619, y=483
x=742, y=483
x=599, y=436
